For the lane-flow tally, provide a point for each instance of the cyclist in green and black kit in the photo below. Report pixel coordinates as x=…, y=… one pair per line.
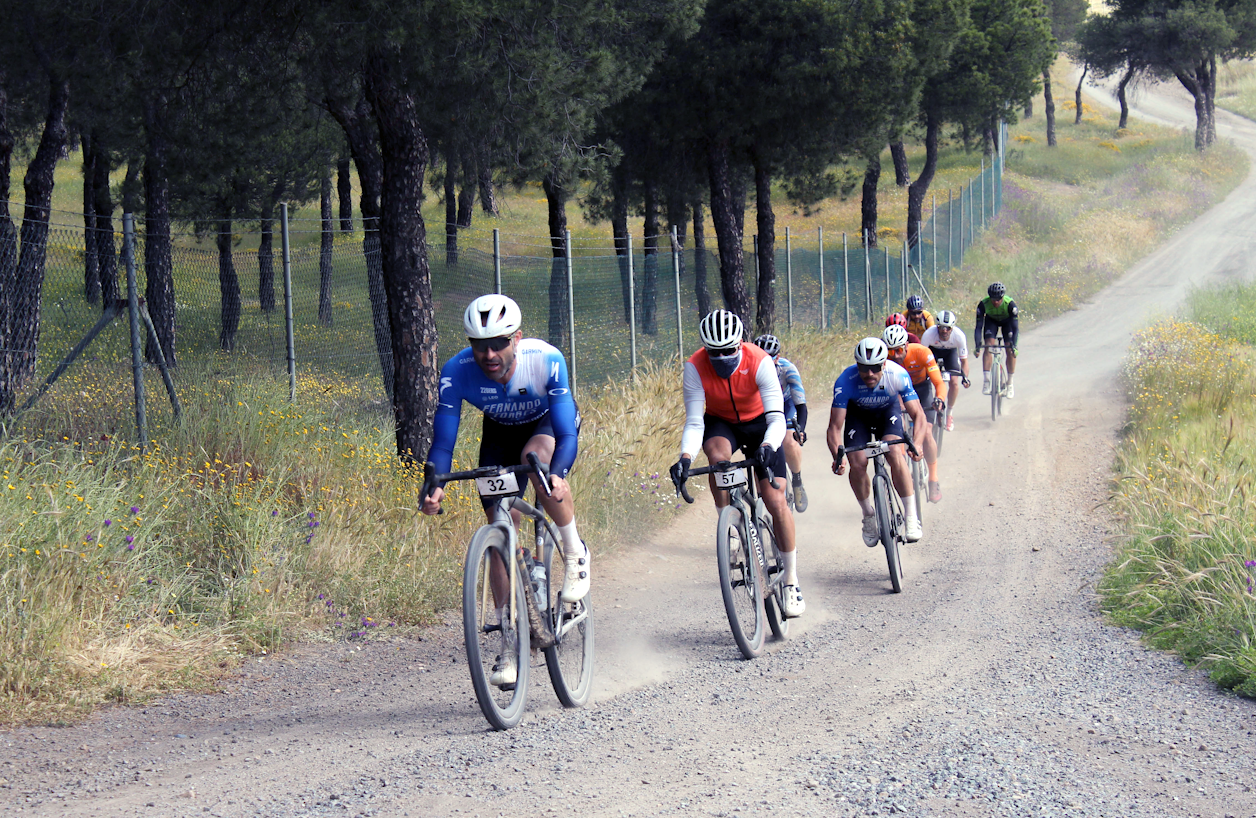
x=994, y=313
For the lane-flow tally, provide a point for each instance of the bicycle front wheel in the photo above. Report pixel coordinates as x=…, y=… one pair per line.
x=888, y=520
x=939, y=429
x=740, y=581
x=495, y=636
x=570, y=660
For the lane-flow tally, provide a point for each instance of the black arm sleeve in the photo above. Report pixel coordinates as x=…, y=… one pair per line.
x=980, y=323
x=801, y=421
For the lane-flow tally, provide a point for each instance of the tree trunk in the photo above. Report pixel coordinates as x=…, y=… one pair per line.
x=919, y=188
x=619, y=229
x=700, y=290
x=451, y=207
x=91, y=268
x=1049, y=107
x=868, y=205
x=466, y=193
x=228, y=283
x=364, y=148
x=650, y=272
x=404, y=261
x=132, y=191
x=266, y=251
x=765, y=218
x=8, y=235
x=22, y=294
x=556, y=196
x=1029, y=109
x=102, y=206
x=902, y=173
x=678, y=219
x=1210, y=85
x=344, y=194
x=488, y=194
x=1198, y=89
x=1120, y=95
x=158, y=266
x=328, y=232
x=728, y=230
x=1077, y=96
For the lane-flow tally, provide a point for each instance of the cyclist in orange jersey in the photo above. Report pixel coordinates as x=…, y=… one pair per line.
x=926, y=379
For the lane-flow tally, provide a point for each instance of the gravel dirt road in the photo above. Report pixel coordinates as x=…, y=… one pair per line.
x=989, y=687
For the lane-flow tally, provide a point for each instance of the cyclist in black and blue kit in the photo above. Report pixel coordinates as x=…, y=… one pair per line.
x=521, y=386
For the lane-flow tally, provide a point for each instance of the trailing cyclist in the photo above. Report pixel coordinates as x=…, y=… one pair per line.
x=996, y=312
x=897, y=319
x=521, y=386
x=926, y=379
x=918, y=318
x=949, y=346
x=795, y=413
x=868, y=399
x=733, y=400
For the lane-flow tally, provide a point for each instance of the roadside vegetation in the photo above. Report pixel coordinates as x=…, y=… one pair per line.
x=128, y=573
x=1185, y=567
x=1236, y=87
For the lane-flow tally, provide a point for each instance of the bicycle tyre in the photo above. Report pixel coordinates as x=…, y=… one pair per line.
x=920, y=485
x=570, y=661
x=939, y=429
x=740, y=582
x=502, y=708
x=773, y=605
x=1002, y=386
x=996, y=386
x=881, y=488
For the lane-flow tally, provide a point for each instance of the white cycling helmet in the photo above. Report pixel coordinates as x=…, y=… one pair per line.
x=894, y=336
x=721, y=329
x=871, y=351
x=491, y=316
x=946, y=318
x=769, y=344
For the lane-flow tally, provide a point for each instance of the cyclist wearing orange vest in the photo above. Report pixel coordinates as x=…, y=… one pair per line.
x=926, y=378
x=733, y=400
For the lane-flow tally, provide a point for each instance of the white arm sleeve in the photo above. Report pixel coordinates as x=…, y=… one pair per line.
x=963, y=343
x=773, y=402
x=695, y=404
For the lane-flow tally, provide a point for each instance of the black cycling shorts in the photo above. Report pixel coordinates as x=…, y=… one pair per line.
x=924, y=390
x=502, y=444
x=746, y=436
x=862, y=424
x=948, y=359
x=1010, y=327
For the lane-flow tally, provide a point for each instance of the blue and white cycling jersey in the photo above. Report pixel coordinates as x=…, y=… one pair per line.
x=895, y=383
x=538, y=385
x=791, y=386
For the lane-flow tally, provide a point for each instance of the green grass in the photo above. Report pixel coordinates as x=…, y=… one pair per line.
x=1236, y=87
x=1187, y=554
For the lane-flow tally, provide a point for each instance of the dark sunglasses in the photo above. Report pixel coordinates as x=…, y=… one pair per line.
x=723, y=353
x=482, y=345
x=869, y=367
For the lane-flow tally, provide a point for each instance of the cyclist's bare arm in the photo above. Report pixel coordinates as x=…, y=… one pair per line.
x=833, y=436
x=919, y=424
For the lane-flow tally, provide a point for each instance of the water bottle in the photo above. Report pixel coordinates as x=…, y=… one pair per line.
x=538, y=582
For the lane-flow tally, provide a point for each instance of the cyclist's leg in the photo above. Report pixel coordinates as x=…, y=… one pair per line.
x=948, y=360
x=925, y=392
x=858, y=432
x=718, y=440
x=1010, y=333
x=987, y=358
x=774, y=499
x=575, y=554
x=501, y=445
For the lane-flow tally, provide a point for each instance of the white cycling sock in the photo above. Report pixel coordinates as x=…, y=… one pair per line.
x=985, y=376
x=865, y=505
x=572, y=546
x=789, y=560
x=909, y=506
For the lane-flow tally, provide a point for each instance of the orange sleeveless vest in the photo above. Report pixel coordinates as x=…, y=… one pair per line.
x=735, y=399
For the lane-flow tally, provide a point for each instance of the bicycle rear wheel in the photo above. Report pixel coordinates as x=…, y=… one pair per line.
x=996, y=388
x=773, y=604
x=882, y=489
x=1002, y=387
x=489, y=641
x=920, y=484
x=939, y=428
x=740, y=581
x=570, y=661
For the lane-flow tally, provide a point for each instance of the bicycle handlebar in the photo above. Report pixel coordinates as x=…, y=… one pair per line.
x=433, y=480
x=723, y=465
x=843, y=451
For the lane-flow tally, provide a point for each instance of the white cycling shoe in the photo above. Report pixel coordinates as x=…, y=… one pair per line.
x=911, y=530
x=1010, y=392
x=504, y=674
x=871, y=531
x=793, y=606
x=576, y=582
x=985, y=388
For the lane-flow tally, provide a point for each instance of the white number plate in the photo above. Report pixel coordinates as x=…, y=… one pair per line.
x=497, y=486
x=729, y=479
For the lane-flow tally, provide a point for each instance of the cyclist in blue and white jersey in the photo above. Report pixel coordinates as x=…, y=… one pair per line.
x=795, y=413
x=949, y=346
x=521, y=386
x=868, y=399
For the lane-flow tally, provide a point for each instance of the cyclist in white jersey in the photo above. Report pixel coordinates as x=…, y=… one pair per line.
x=950, y=348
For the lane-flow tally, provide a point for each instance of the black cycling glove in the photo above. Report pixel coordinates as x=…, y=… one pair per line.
x=680, y=472
x=765, y=455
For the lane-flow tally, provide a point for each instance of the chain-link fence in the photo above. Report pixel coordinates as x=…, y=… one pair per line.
x=822, y=281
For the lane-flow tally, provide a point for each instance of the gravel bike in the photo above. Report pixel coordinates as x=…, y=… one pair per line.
x=939, y=428
x=510, y=599
x=998, y=379
x=750, y=565
x=919, y=476
x=891, y=518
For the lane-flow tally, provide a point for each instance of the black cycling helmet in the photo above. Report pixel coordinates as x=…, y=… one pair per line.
x=769, y=344
x=915, y=303
x=996, y=290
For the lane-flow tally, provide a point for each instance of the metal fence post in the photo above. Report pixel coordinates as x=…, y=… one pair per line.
x=133, y=305
x=846, y=280
x=888, y=297
x=497, y=260
x=983, y=191
x=571, y=316
x=680, y=333
x=820, y=234
x=972, y=224
x=867, y=251
x=789, y=278
x=950, y=229
x=934, y=222
x=904, y=270
x=632, y=309
x=287, y=303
